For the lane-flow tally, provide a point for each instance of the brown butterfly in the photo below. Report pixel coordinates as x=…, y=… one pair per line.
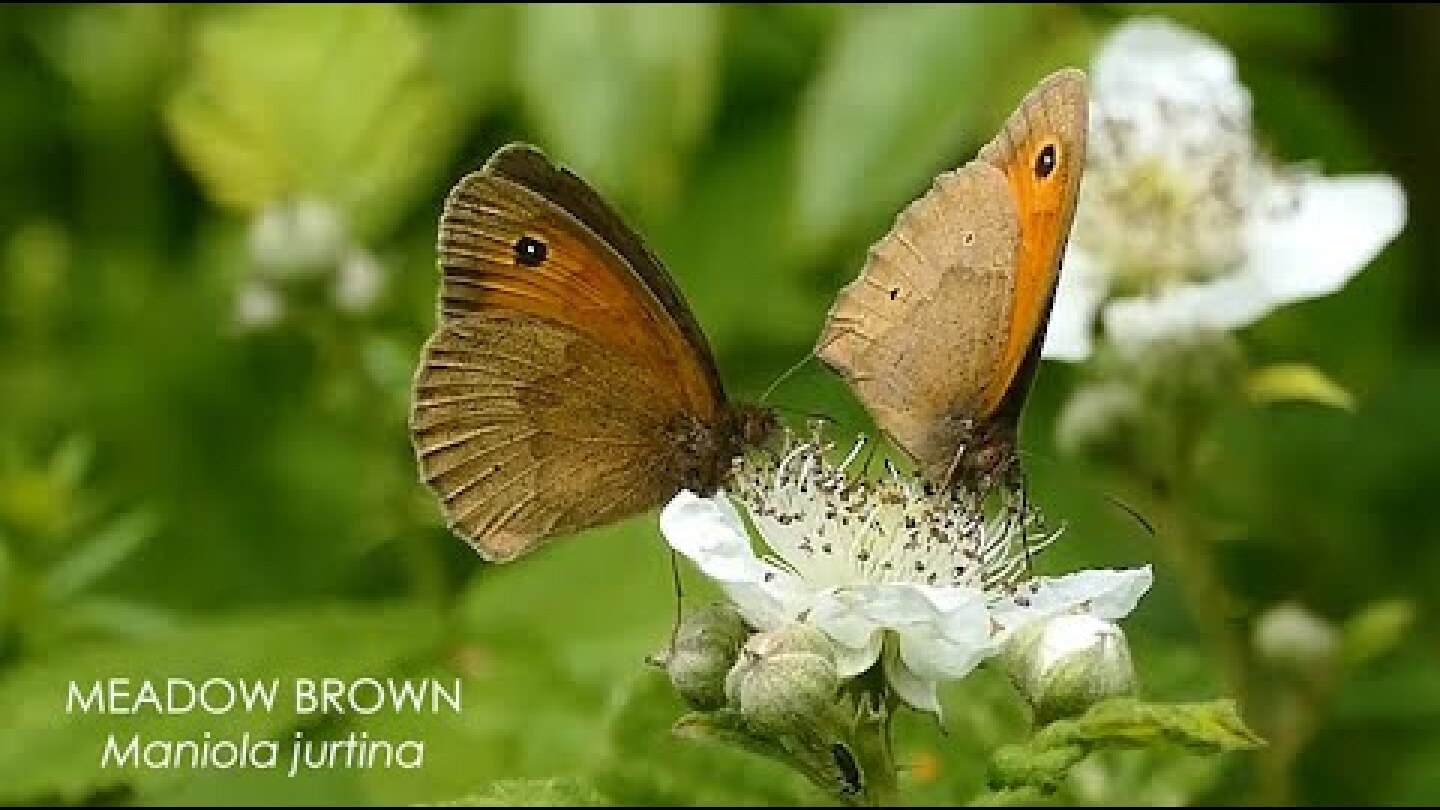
x=940, y=336
x=568, y=384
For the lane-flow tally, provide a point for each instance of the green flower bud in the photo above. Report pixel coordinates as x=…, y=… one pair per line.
x=1290, y=637
x=1102, y=422
x=1190, y=373
x=707, y=643
x=1067, y=664
x=784, y=680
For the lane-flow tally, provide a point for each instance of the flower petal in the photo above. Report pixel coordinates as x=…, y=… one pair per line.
x=1082, y=287
x=1338, y=225
x=710, y=533
x=1104, y=593
x=944, y=632
x=841, y=615
x=920, y=692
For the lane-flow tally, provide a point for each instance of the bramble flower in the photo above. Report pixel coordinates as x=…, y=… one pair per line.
x=303, y=244
x=926, y=585
x=1183, y=223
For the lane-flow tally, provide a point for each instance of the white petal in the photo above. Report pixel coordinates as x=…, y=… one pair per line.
x=1082, y=286
x=851, y=661
x=1336, y=228
x=1103, y=593
x=1148, y=58
x=921, y=693
x=710, y=533
x=944, y=632
x=841, y=615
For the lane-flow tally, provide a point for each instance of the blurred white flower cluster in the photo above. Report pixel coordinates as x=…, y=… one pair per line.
x=298, y=243
x=1183, y=223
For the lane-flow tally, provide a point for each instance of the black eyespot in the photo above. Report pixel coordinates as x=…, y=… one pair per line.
x=530, y=251
x=894, y=292
x=1045, y=161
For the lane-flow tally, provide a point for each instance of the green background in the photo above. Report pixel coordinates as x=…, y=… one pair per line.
x=181, y=496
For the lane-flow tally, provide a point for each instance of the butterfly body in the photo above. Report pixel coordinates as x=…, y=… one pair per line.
x=941, y=333
x=568, y=384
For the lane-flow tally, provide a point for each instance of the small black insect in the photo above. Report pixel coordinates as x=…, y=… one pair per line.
x=530, y=251
x=851, y=780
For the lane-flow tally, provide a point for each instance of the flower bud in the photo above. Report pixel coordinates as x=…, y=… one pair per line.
x=1065, y=665
x=1291, y=637
x=1189, y=372
x=296, y=239
x=1102, y=422
x=359, y=280
x=784, y=680
x=707, y=643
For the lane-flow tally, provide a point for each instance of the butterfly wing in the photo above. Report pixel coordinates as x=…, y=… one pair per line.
x=940, y=335
x=1052, y=116
x=918, y=334
x=529, y=167
x=560, y=391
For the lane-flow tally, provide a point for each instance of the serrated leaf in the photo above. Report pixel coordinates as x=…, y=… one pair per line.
x=1297, y=382
x=48, y=751
x=337, y=103
x=621, y=93
x=533, y=793
x=898, y=99
x=1376, y=630
x=1045, y=760
x=1206, y=727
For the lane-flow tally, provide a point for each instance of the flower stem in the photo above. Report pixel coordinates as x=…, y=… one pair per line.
x=875, y=754
x=871, y=741
x=1209, y=602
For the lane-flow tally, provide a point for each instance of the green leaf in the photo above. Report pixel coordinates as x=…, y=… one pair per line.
x=111, y=546
x=1297, y=382
x=337, y=103
x=899, y=98
x=1207, y=727
x=533, y=793
x=620, y=93
x=473, y=47
x=1046, y=759
x=1376, y=630
x=53, y=751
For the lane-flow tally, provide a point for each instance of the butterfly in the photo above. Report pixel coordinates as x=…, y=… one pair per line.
x=940, y=335
x=567, y=384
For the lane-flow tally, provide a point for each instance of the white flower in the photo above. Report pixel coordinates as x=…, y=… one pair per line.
x=1183, y=223
x=296, y=238
x=359, y=281
x=258, y=306
x=930, y=587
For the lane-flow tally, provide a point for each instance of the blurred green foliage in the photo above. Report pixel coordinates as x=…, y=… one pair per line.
x=181, y=494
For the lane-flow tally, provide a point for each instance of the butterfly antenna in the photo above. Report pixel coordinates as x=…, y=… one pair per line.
x=787, y=374
x=1111, y=499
